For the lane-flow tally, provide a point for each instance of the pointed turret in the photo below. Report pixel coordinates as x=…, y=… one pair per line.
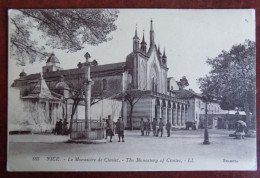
x=136, y=41
x=159, y=51
x=143, y=44
x=164, y=57
x=151, y=34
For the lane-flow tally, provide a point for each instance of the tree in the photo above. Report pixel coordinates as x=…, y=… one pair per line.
x=65, y=29
x=133, y=96
x=183, y=82
x=232, y=78
x=76, y=93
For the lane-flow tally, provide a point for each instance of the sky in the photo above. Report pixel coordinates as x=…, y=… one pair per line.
x=188, y=36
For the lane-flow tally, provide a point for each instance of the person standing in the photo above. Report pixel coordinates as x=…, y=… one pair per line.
x=142, y=127
x=168, y=128
x=109, y=130
x=160, y=127
x=58, y=127
x=147, y=127
x=120, y=127
x=154, y=124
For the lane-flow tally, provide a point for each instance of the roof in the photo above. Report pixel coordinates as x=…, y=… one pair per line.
x=105, y=69
x=187, y=94
x=41, y=91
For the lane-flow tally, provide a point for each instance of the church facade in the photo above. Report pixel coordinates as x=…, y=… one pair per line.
x=148, y=69
x=144, y=70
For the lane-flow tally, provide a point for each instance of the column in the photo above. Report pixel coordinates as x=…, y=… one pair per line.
x=174, y=114
x=183, y=115
x=159, y=111
x=164, y=117
x=179, y=116
x=169, y=114
x=153, y=108
x=186, y=113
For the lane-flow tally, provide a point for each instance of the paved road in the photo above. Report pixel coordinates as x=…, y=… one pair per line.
x=181, y=146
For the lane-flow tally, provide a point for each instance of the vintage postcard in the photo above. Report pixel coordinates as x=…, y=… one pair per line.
x=131, y=90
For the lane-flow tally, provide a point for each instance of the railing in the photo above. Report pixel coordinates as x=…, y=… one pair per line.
x=94, y=130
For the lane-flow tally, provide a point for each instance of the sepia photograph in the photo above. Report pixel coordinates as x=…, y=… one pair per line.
x=131, y=90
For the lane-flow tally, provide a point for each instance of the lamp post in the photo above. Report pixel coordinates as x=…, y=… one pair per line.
x=206, y=133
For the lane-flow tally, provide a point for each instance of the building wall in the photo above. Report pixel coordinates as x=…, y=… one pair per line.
x=154, y=66
x=143, y=69
x=221, y=121
x=32, y=115
x=191, y=110
x=172, y=84
x=142, y=109
x=107, y=86
x=197, y=108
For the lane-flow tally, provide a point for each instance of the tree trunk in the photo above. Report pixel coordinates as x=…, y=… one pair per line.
x=130, y=117
x=74, y=107
x=248, y=117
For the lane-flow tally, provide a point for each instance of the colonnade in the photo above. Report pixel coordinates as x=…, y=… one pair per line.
x=175, y=112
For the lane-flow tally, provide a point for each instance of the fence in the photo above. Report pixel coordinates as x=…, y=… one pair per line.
x=95, y=130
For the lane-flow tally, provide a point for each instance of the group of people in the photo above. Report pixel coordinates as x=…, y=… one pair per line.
x=118, y=127
x=61, y=127
x=156, y=127
x=240, y=131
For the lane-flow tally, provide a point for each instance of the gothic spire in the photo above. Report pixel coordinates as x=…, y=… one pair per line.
x=143, y=44
x=151, y=27
x=136, y=41
x=159, y=51
x=164, y=56
x=143, y=41
x=151, y=34
x=136, y=35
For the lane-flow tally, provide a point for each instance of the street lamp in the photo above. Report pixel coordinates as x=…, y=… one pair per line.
x=206, y=133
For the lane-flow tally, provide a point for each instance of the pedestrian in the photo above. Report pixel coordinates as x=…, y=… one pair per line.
x=154, y=124
x=58, y=127
x=120, y=127
x=240, y=131
x=109, y=128
x=160, y=127
x=142, y=127
x=147, y=127
x=168, y=128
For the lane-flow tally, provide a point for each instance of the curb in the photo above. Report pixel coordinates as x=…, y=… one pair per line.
x=86, y=141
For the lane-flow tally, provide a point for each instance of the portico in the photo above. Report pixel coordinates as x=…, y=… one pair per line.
x=171, y=109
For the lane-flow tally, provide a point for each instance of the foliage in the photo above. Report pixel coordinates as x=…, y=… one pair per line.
x=65, y=29
x=183, y=82
x=232, y=78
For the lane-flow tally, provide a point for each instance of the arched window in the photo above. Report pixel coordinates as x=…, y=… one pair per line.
x=142, y=81
x=104, y=84
x=154, y=80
